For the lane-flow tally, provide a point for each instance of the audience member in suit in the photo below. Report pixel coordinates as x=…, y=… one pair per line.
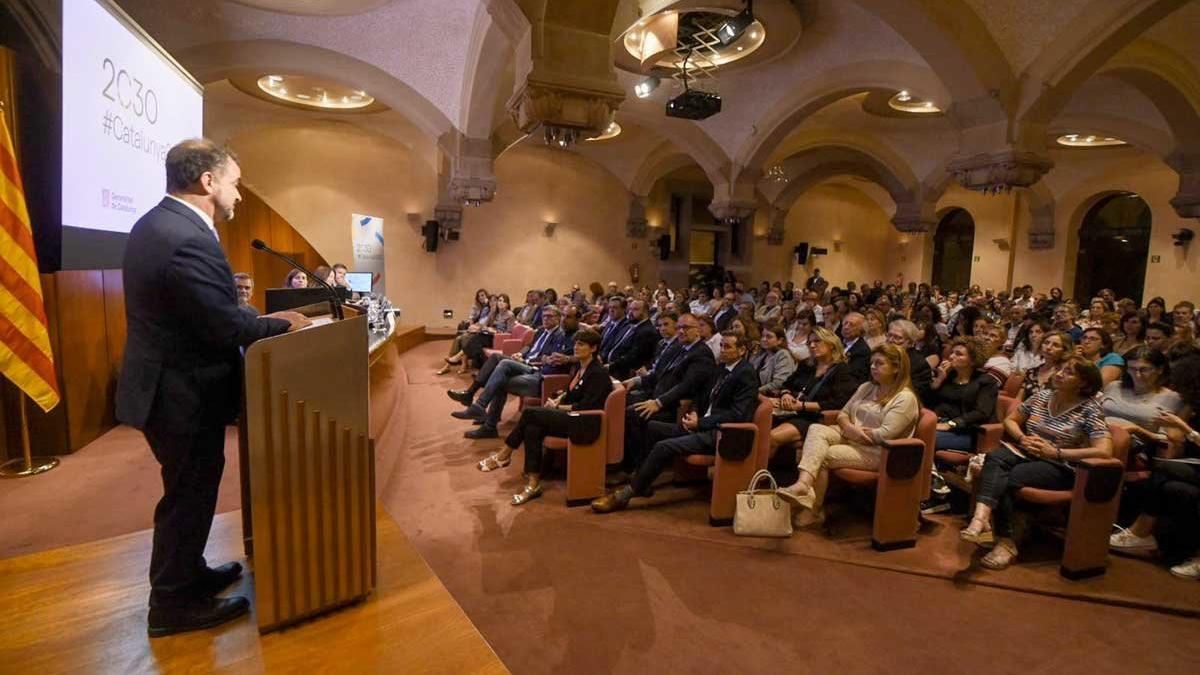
x=883, y=409
x=904, y=334
x=822, y=383
x=656, y=395
x=589, y=389
x=776, y=364
x=181, y=378
x=726, y=313
x=667, y=347
x=530, y=313
x=633, y=347
x=613, y=323
x=519, y=374
x=732, y=398
x=858, y=354
x=244, y=284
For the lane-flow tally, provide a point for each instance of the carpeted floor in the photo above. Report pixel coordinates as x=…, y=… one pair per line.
x=655, y=589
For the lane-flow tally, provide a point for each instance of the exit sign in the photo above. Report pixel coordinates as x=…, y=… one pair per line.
x=1156, y=258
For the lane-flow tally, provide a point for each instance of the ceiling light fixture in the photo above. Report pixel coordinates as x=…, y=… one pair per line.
x=646, y=87
x=312, y=92
x=1078, y=140
x=905, y=101
x=732, y=29
x=611, y=131
x=559, y=137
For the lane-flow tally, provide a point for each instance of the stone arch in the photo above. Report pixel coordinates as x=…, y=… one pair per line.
x=661, y=161
x=960, y=49
x=497, y=29
x=686, y=136
x=1138, y=135
x=1075, y=227
x=219, y=60
x=1097, y=34
x=818, y=92
x=1171, y=84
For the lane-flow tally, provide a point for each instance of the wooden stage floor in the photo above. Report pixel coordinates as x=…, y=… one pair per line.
x=82, y=609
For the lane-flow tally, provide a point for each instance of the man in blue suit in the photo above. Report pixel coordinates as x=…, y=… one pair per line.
x=181, y=379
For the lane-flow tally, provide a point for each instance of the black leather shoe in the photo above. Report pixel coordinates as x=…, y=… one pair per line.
x=461, y=395
x=196, y=615
x=473, y=412
x=484, y=431
x=217, y=579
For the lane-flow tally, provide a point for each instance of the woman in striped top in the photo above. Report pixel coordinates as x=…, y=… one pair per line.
x=1050, y=431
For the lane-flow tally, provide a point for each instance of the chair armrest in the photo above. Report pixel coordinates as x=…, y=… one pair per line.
x=508, y=347
x=1098, y=479
x=584, y=427
x=735, y=440
x=553, y=383
x=903, y=457
x=829, y=417
x=988, y=437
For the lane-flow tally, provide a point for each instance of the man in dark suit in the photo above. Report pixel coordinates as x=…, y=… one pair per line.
x=634, y=345
x=858, y=354
x=903, y=334
x=613, y=324
x=732, y=398
x=244, y=284
x=727, y=312
x=181, y=379
x=655, y=396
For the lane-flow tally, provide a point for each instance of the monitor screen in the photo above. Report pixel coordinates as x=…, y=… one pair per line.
x=359, y=282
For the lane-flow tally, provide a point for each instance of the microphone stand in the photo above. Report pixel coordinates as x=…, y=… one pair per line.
x=335, y=305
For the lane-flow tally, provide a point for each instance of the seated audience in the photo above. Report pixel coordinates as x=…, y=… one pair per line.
x=770, y=310
x=588, y=390
x=991, y=343
x=710, y=336
x=883, y=409
x=822, y=382
x=295, y=279
x=1057, y=349
x=1182, y=317
x=244, y=285
x=777, y=364
x=519, y=374
x=1097, y=347
x=1064, y=320
x=656, y=395
x=499, y=319
x=632, y=346
x=1170, y=518
x=480, y=310
x=1159, y=336
x=323, y=272
x=530, y=313
x=733, y=397
x=903, y=334
x=1132, y=333
x=1050, y=431
x=963, y=396
x=1136, y=400
x=858, y=355
x=800, y=326
x=1027, y=348
x=874, y=326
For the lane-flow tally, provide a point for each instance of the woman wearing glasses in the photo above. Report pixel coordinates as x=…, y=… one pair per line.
x=821, y=383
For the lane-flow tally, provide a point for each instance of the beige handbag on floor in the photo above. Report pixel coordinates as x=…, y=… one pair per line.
x=761, y=513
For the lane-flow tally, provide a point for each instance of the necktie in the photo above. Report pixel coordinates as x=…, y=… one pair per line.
x=536, y=349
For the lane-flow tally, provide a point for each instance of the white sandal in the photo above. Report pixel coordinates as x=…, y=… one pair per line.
x=529, y=493
x=493, y=462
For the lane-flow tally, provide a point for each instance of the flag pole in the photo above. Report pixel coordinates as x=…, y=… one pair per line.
x=24, y=466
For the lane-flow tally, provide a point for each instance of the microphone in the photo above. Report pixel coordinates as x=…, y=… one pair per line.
x=335, y=305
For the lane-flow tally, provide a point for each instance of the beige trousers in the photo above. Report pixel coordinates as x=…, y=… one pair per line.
x=825, y=449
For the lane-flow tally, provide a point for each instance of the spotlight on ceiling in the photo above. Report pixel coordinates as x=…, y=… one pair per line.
x=1088, y=141
x=732, y=29
x=645, y=87
x=559, y=137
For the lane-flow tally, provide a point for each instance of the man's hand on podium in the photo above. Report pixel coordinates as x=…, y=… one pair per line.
x=297, y=320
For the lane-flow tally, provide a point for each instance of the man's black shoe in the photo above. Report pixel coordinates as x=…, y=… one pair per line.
x=217, y=579
x=461, y=395
x=484, y=431
x=473, y=412
x=935, y=505
x=196, y=615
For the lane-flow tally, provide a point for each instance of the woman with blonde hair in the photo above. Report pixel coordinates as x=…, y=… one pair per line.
x=875, y=328
x=821, y=382
x=883, y=409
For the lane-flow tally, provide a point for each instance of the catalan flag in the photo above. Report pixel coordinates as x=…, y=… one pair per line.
x=25, y=355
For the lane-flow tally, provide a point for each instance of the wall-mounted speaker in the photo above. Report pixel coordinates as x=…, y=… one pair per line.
x=801, y=252
x=430, y=231
x=664, y=247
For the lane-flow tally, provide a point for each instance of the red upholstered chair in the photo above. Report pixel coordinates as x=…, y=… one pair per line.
x=1012, y=386
x=510, y=343
x=731, y=475
x=900, y=485
x=1092, y=505
x=596, y=439
x=550, y=384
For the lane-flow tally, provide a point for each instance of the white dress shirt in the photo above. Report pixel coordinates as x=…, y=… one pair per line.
x=203, y=216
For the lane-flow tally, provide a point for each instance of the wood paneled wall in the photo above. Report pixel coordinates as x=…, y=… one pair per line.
x=255, y=220
x=86, y=311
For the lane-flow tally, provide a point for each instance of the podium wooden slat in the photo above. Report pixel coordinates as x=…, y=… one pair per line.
x=310, y=469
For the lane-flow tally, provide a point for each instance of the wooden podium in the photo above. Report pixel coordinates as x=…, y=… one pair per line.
x=308, y=470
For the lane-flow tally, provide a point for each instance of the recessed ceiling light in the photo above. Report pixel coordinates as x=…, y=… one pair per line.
x=313, y=92
x=904, y=101
x=1077, y=140
x=611, y=131
x=738, y=36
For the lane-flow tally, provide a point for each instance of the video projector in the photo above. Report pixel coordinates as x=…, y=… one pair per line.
x=694, y=104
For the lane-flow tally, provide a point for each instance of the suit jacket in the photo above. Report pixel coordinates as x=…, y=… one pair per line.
x=733, y=397
x=665, y=352
x=555, y=342
x=922, y=376
x=686, y=377
x=632, y=352
x=609, y=334
x=591, y=390
x=859, y=360
x=832, y=394
x=723, y=318
x=182, y=368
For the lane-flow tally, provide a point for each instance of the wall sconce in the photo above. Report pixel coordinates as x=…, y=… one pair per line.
x=1002, y=243
x=837, y=245
x=550, y=225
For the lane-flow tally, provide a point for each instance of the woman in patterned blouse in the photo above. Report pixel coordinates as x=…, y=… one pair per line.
x=1057, y=349
x=1050, y=431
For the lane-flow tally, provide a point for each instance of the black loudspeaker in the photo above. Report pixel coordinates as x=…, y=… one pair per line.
x=664, y=247
x=430, y=231
x=801, y=252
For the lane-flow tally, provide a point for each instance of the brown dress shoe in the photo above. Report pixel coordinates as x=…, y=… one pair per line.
x=613, y=501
